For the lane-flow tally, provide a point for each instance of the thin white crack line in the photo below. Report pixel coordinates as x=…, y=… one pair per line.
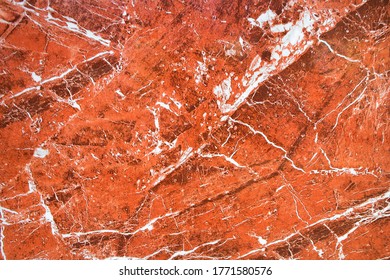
x=269, y=142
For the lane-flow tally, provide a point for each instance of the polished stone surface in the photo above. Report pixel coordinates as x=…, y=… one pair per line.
x=194, y=129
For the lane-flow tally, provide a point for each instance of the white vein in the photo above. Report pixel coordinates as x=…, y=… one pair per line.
x=375, y=215
x=254, y=131
x=148, y=226
x=61, y=76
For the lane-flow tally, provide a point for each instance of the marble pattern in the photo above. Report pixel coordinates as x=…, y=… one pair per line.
x=194, y=129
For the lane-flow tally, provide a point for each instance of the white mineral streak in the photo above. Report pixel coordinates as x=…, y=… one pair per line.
x=2, y=228
x=48, y=216
x=73, y=26
x=36, y=77
x=40, y=153
x=60, y=76
x=290, y=47
x=367, y=218
x=147, y=227
x=223, y=91
x=267, y=16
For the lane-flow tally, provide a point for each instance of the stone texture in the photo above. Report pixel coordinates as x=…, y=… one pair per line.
x=194, y=129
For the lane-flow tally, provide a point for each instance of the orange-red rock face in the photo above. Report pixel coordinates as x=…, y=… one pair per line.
x=194, y=129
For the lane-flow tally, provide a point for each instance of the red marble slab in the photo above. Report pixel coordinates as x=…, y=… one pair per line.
x=194, y=129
